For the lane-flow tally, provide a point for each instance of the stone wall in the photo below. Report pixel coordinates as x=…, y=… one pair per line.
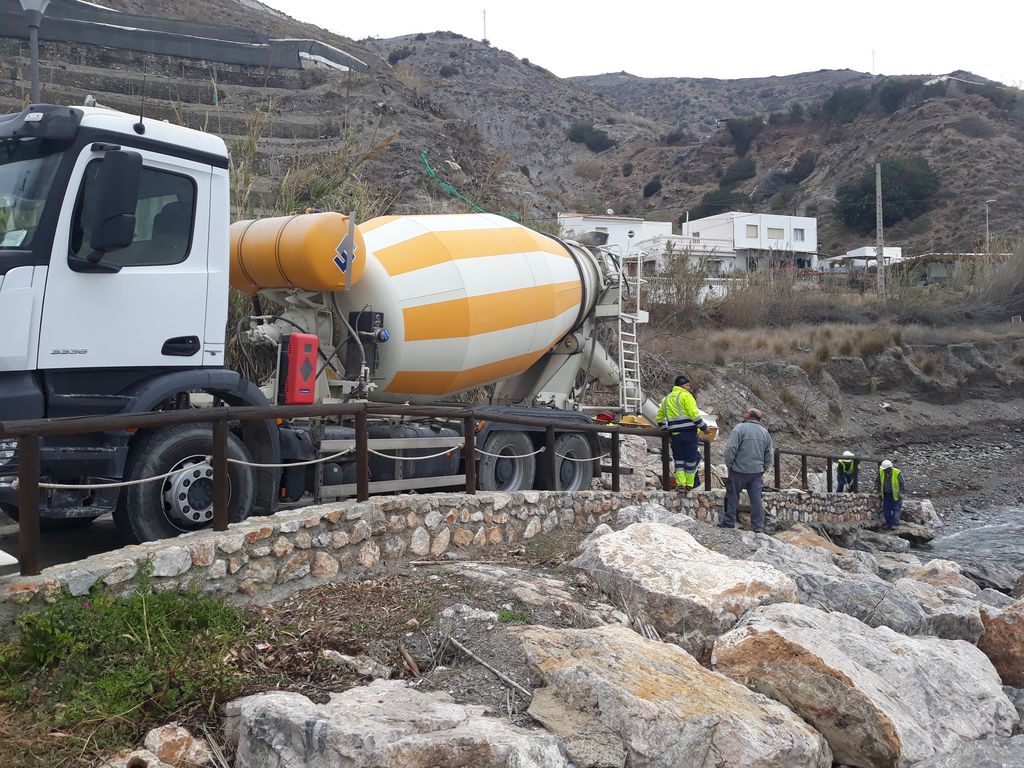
x=302, y=547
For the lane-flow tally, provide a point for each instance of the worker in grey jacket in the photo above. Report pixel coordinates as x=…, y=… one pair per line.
x=748, y=454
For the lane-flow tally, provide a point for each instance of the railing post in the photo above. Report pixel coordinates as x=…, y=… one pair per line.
x=362, y=457
x=469, y=452
x=28, y=503
x=803, y=471
x=550, y=460
x=615, y=461
x=828, y=475
x=856, y=476
x=778, y=470
x=221, y=482
x=707, y=465
x=666, y=462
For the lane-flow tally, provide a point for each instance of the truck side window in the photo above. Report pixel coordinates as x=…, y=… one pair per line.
x=164, y=219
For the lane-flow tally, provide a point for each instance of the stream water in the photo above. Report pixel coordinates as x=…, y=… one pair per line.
x=999, y=546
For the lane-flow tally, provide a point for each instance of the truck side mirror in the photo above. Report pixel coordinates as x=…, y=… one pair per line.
x=117, y=195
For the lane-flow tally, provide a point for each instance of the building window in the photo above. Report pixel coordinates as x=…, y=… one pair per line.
x=751, y=230
x=798, y=235
x=600, y=229
x=696, y=234
x=776, y=233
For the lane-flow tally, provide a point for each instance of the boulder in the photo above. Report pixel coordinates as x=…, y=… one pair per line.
x=994, y=598
x=680, y=587
x=381, y=725
x=175, y=746
x=880, y=698
x=893, y=565
x=874, y=541
x=619, y=699
x=915, y=533
x=1003, y=641
x=850, y=374
x=993, y=752
x=943, y=574
x=595, y=534
x=139, y=758
x=920, y=511
x=990, y=573
x=950, y=613
x=1016, y=697
x=852, y=560
x=648, y=512
x=824, y=585
x=361, y=665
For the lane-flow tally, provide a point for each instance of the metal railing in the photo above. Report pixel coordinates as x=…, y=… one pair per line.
x=29, y=435
x=828, y=458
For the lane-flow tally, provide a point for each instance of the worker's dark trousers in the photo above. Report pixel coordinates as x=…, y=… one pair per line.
x=891, y=510
x=752, y=483
x=844, y=482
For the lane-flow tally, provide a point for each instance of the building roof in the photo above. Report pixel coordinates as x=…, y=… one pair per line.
x=599, y=216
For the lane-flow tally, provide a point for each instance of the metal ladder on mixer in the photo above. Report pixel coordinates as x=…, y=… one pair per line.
x=630, y=395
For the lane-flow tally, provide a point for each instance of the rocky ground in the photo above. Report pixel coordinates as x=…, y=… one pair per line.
x=667, y=643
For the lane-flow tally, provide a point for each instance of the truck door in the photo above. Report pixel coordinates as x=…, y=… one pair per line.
x=150, y=313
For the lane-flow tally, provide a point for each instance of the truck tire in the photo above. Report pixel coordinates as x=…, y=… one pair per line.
x=182, y=502
x=507, y=473
x=572, y=475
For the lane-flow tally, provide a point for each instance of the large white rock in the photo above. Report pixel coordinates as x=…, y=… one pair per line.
x=951, y=612
x=682, y=588
x=620, y=699
x=880, y=698
x=381, y=725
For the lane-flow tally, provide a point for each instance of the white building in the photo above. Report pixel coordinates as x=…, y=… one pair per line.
x=740, y=242
x=622, y=231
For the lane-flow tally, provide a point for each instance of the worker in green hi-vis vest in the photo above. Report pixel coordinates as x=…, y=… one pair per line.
x=891, y=485
x=845, y=472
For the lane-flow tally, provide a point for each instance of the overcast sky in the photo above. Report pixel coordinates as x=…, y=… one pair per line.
x=741, y=38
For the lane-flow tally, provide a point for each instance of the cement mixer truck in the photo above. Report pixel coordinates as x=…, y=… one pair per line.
x=116, y=255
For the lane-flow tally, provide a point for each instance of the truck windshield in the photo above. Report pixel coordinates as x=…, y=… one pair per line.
x=27, y=168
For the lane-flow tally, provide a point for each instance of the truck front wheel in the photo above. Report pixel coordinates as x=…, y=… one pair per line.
x=182, y=502
x=574, y=464
x=506, y=463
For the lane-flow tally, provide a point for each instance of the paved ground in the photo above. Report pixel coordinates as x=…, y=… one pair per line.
x=62, y=546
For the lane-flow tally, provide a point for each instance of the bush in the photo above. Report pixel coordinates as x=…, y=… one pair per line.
x=595, y=139
x=802, y=168
x=845, y=104
x=398, y=54
x=449, y=70
x=525, y=170
x=796, y=112
x=718, y=201
x=744, y=168
x=421, y=37
x=1000, y=96
x=892, y=93
x=525, y=61
x=974, y=127
x=743, y=131
x=652, y=187
x=674, y=136
x=908, y=187
x=776, y=118
x=627, y=170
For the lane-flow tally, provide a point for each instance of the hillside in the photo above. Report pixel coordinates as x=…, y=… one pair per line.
x=697, y=104
x=495, y=126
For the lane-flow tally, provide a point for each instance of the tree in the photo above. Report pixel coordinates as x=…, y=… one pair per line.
x=802, y=168
x=743, y=131
x=908, y=188
x=892, y=93
x=595, y=139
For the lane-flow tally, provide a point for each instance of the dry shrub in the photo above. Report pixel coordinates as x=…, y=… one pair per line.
x=588, y=169
x=407, y=76
x=811, y=365
x=788, y=397
x=757, y=391
x=779, y=348
x=929, y=365
x=875, y=342
x=719, y=357
x=823, y=353
x=845, y=348
x=1019, y=358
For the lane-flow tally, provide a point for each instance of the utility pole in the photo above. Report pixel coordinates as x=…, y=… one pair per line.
x=880, y=240
x=987, y=238
x=485, y=24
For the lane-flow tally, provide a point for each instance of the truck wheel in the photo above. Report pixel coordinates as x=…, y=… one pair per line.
x=572, y=475
x=182, y=502
x=507, y=473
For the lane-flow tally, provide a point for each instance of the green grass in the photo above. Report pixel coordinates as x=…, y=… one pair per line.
x=514, y=617
x=102, y=667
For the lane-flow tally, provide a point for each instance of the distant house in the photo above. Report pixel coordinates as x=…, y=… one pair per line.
x=929, y=268
x=863, y=258
x=621, y=233
x=735, y=242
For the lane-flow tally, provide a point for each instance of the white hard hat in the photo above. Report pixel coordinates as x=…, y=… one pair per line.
x=886, y=464
x=848, y=454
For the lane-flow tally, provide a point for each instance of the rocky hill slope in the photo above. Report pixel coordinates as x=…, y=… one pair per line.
x=495, y=128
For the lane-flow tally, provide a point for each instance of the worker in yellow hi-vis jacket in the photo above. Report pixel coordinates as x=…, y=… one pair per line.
x=678, y=413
